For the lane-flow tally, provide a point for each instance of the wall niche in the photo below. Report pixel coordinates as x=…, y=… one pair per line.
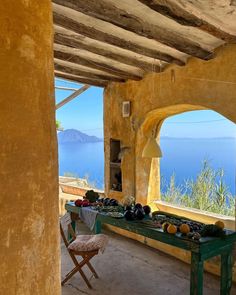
x=115, y=166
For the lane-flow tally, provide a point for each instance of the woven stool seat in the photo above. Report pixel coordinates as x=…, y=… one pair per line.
x=89, y=243
x=84, y=246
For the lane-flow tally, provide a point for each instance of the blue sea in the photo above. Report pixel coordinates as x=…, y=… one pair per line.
x=84, y=160
x=181, y=156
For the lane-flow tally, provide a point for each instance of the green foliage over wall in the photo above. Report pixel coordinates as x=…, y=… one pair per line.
x=58, y=125
x=208, y=192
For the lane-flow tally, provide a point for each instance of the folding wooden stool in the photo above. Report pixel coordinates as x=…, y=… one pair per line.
x=87, y=255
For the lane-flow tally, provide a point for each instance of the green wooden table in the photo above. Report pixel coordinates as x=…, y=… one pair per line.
x=200, y=251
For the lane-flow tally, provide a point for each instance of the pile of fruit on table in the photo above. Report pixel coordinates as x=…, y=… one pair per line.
x=169, y=223
x=172, y=224
x=93, y=199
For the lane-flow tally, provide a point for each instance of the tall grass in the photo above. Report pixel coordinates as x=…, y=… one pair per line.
x=208, y=192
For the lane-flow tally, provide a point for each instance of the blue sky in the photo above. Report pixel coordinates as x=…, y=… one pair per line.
x=85, y=113
x=198, y=124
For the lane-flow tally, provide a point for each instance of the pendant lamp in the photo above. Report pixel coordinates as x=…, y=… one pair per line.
x=152, y=149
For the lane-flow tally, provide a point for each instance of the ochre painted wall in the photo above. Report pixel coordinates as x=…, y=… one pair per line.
x=29, y=237
x=198, y=85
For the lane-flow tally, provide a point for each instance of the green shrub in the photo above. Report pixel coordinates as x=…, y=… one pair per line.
x=59, y=126
x=208, y=192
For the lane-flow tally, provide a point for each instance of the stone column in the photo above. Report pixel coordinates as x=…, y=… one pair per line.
x=29, y=236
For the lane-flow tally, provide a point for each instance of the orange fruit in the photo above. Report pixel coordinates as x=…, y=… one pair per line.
x=165, y=226
x=184, y=228
x=220, y=224
x=172, y=229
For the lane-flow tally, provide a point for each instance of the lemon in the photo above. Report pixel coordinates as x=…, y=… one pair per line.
x=172, y=229
x=220, y=224
x=184, y=228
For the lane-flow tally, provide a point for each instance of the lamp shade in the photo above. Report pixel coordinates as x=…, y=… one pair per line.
x=152, y=149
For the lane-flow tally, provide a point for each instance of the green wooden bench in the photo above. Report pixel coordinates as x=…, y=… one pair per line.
x=200, y=251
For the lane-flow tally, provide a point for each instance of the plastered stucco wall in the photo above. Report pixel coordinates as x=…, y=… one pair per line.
x=198, y=85
x=29, y=236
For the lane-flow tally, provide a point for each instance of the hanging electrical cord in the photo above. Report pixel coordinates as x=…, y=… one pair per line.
x=210, y=80
x=196, y=122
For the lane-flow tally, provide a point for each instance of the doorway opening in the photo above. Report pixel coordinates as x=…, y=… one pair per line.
x=198, y=166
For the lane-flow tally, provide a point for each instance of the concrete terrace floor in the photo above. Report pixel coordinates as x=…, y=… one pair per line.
x=128, y=267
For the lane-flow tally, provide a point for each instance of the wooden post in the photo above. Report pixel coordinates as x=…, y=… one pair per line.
x=29, y=246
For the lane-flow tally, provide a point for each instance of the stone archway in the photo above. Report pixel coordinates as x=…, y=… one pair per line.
x=197, y=86
x=148, y=181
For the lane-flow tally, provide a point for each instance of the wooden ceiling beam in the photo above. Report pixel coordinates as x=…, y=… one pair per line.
x=95, y=64
x=72, y=96
x=87, y=28
x=81, y=79
x=175, y=11
x=66, y=88
x=80, y=72
x=128, y=20
x=118, y=54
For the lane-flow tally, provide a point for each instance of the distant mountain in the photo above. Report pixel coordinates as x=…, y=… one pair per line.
x=75, y=136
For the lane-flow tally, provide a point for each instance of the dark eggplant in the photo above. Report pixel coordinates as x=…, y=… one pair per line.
x=113, y=202
x=147, y=209
x=129, y=215
x=138, y=206
x=106, y=202
x=128, y=208
x=139, y=214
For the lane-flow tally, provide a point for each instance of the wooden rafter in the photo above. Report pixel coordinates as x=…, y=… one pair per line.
x=106, y=50
x=69, y=55
x=110, y=13
x=180, y=14
x=72, y=96
x=66, y=88
x=81, y=79
x=74, y=69
x=84, y=25
x=98, y=42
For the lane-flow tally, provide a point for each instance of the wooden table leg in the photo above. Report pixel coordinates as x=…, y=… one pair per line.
x=98, y=227
x=226, y=272
x=196, y=281
x=73, y=224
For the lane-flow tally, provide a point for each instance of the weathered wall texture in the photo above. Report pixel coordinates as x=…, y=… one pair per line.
x=198, y=85
x=29, y=238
